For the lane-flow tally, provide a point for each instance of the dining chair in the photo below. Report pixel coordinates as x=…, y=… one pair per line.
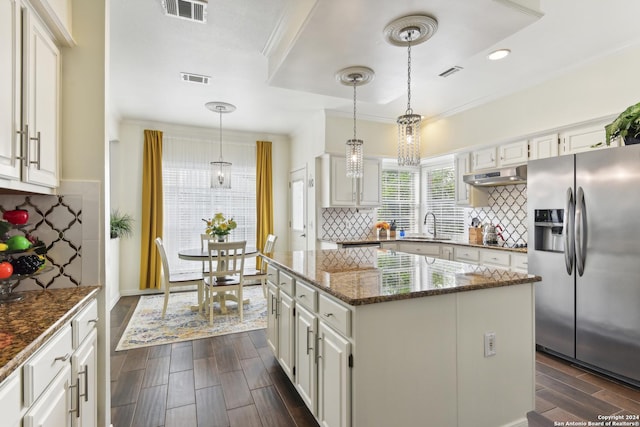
x=253, y=274
x=167, y=283
x=226, y=274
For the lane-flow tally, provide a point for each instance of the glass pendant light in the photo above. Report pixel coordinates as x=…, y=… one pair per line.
x=408, y=31
x=354, y=76
x=220, y=170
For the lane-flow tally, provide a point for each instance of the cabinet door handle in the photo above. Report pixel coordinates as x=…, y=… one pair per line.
x=273, y=306
x=84, y=372
x=93, y=320
x=62, y=358
x=318, y=355
x=308, y=348
x=328, y=314
x=24, y=150
x=37, y=139
x=77, y=408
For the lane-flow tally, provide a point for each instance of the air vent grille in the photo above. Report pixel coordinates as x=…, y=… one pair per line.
x=450, y=71
x=191, y=10
x=195, y=78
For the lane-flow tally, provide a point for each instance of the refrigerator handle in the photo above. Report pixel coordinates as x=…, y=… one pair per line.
x=568, y=232
x=580, y=232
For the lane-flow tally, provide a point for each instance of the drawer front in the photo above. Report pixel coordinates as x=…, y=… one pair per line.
x=10, y=402
x=84, y=323
x=335, y=315
x=42, y=368
x=306, y=296
x=272, y=274
x=420, y=248
x=286, y=283
x=494, y=257
x=466, y=254
x=519, y=262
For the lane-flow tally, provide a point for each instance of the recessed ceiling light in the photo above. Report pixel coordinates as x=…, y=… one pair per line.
x=498, y=54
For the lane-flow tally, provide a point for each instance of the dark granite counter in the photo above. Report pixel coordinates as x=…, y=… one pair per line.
x=373, y=240
x=26, y=325
x=367, y=275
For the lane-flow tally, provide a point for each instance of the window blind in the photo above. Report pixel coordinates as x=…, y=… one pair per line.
x=400, y=191
x=188, y=197
x=439, y=198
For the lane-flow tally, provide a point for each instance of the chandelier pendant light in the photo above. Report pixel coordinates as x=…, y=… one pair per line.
x=354, y=76
x=220, y=170
x=408, y=31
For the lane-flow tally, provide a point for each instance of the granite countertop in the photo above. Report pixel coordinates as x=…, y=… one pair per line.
x=374, y=240
x=367, y=275
x=28, y=324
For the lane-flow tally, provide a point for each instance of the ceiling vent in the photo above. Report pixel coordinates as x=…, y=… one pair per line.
x=191, y=10
x=450, y=71
x=195, y=78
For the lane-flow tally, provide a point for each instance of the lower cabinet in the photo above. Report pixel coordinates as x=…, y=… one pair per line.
x=286, y=337
x=57, y=385
x=306, y=357
x=272, y=317
x=334, y=378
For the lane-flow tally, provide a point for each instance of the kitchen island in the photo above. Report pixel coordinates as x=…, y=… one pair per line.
x=371, y=337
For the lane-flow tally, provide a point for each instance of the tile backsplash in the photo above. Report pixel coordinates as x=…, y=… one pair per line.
x=508, y=208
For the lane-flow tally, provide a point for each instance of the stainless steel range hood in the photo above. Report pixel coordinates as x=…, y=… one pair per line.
x=495, y=177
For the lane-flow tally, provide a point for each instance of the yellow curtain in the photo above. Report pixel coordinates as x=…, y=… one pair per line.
x=150, y=262
x=264, y=194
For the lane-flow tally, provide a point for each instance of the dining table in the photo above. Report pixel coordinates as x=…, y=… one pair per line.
x=202, y=255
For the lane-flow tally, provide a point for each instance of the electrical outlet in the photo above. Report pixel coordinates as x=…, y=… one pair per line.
x=489, y=344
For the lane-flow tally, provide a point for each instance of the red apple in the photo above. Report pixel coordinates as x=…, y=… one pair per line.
x=6, y=269
x=17, y=216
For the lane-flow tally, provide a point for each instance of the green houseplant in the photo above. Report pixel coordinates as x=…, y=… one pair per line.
x=121, y=225
x=625, y=126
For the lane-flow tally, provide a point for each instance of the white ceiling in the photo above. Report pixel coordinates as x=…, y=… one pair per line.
x=276, y=59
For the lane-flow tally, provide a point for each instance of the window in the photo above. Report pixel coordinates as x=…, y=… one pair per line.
x=439, y=197
x=400, y=190
x=188, y=198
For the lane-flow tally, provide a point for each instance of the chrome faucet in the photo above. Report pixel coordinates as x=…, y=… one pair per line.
x=434, y=222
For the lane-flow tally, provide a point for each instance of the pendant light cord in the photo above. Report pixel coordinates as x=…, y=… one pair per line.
x=220, y=113
x=409, y=38
x=355, y=80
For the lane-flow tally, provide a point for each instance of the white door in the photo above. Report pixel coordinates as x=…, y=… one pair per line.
x=298, y=214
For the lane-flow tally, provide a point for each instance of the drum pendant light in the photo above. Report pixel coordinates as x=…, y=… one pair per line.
x=354, y=76
x=408, y=31
x=220, y=170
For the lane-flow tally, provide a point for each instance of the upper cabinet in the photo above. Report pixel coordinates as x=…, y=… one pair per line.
x=584, y=138
x=544, y=146
x=484, y=158
x=337, y=190
x=513, y=153
x=29, y=116
x=467, y=195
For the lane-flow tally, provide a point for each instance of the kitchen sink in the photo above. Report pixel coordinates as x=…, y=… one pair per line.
x=425, y=237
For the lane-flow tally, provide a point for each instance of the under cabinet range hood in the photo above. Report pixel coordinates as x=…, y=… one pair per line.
x=495, y=177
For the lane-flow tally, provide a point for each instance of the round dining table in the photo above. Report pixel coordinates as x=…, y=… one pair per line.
x=198, y=254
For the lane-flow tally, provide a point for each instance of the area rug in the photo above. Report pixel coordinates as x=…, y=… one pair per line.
x=146, y=326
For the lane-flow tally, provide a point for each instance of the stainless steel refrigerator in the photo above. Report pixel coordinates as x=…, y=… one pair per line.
x=584, y=241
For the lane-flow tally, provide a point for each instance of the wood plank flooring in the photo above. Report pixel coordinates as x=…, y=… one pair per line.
x=234, y=380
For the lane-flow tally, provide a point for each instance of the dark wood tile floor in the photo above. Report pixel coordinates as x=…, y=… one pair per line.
x=234, y=380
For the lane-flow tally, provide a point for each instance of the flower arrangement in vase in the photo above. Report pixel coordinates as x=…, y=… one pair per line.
x=381, y=229
x=219, y=226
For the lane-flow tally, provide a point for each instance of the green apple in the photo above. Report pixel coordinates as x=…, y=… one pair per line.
x=18, y=243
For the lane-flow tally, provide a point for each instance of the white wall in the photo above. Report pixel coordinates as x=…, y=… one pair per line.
x=380, y=139
x=597, y=89
x=127, y=154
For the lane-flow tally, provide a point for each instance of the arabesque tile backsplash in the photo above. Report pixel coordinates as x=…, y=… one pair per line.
x=507, y=208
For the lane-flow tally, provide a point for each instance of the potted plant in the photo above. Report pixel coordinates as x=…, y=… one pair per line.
x=625, y=126
x=121, y=225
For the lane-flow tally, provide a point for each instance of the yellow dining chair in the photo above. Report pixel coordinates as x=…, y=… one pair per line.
x=167, y=283
x=253, y=274
x=225, y=265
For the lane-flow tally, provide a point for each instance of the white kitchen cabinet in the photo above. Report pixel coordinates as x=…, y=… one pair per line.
x=10, y=402
x=272, y=317
x=30, y=121
x=484, y=158
x=513, y=153
x=286, y=337
x=466, y=254
x=446, y=252
x=305, y=348
x=493, y=258
x=84, y=367
x=420, y=248
x=467, y=195
x=53, y=408
x=519, y=263
x=337, y=190
x=334, y=378
x=584, y=138
x=544, y=146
